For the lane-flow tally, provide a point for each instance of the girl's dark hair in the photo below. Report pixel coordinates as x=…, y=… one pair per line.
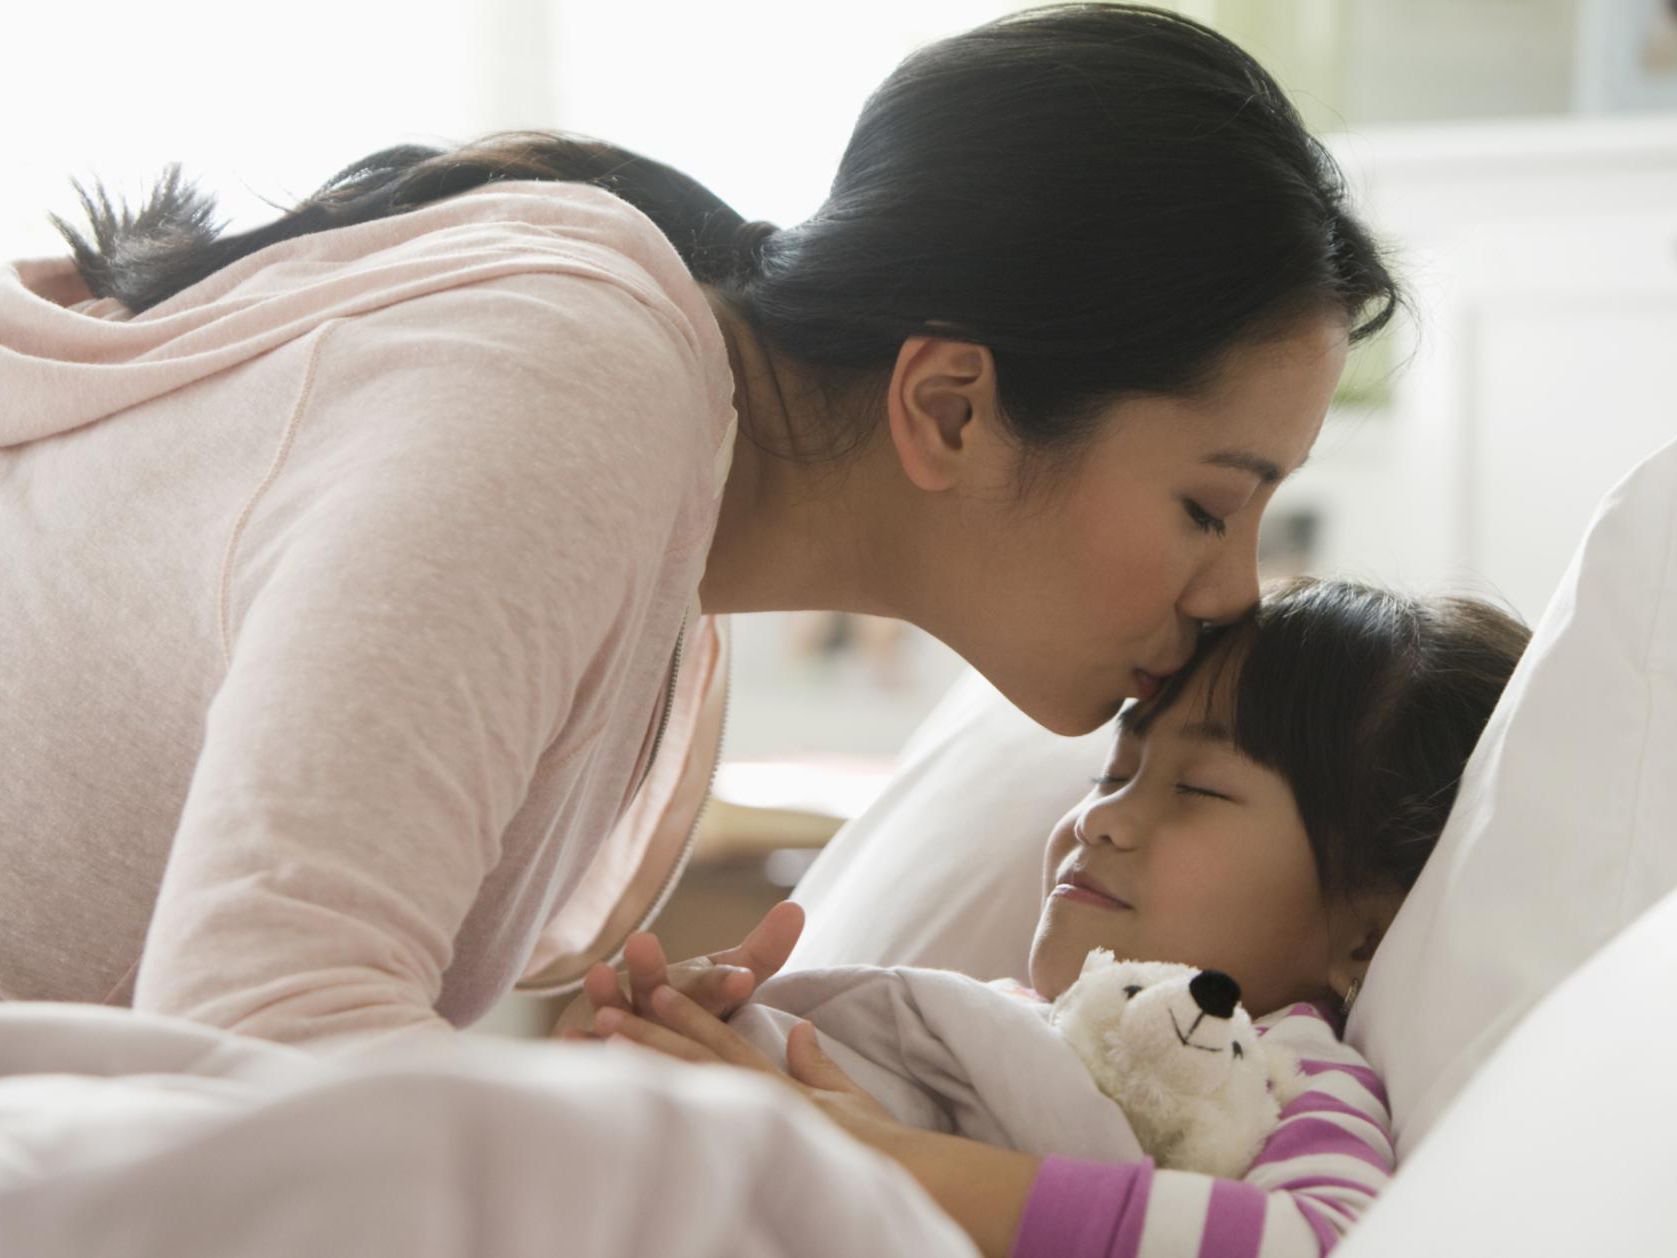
x=1109, y=197
x=1368, y=703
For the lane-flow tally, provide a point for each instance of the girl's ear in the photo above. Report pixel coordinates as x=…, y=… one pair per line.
x=1356, y=925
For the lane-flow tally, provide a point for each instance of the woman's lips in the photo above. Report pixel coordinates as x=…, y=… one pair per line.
x=1146, y=684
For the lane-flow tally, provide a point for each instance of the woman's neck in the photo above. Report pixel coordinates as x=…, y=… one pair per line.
x=793, y=535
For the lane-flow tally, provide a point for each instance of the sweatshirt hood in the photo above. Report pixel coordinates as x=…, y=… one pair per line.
x=68, y=359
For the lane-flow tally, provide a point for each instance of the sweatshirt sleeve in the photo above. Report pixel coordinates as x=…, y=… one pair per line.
x=420, y=609
x=1320, y=1169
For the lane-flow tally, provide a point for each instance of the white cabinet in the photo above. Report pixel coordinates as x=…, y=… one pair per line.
x=1542, y=258
x=1569, y=332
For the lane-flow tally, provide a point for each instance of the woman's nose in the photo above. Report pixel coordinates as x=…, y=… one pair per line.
x=1227, y=587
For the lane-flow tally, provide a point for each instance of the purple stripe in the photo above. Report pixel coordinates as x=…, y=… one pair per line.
x=1327, y=1235
x=1362, y=1074
x=1328, y=1181
x=1323, y=1103
x=1080, y=1209
x=1301, y=1010
x=1308, y=1137
x=1335, y=1210
x=1234, y=1220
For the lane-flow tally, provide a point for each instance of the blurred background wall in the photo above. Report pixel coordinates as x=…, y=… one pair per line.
x=1519, y=156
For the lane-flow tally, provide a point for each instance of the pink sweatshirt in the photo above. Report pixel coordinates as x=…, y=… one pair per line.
x=342, y=595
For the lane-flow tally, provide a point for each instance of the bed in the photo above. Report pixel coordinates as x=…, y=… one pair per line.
x=1520, y=1010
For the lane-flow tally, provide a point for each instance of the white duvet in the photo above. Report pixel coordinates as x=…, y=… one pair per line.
x=946, y=1052
x=123, y=1133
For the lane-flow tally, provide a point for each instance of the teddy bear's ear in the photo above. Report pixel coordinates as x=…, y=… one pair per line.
x=1098, y=959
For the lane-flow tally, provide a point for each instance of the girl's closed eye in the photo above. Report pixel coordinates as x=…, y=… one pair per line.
x=1110, y=782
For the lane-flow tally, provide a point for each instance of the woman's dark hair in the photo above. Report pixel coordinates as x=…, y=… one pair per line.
x=1109, y=197
x=1368, y=703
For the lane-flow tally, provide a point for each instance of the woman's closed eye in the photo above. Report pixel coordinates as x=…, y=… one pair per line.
x=1203, y=520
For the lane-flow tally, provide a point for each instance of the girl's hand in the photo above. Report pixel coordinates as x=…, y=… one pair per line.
x=720, y=983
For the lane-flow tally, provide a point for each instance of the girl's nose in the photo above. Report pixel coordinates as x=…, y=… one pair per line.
x=1105, y=822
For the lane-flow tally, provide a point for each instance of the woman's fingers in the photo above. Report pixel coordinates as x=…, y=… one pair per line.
x=643, y=956
x=717, y=989
x=603, y=988
x=615, y=1024
x=677, y=1013
x=770, y=942
x=687, y=1032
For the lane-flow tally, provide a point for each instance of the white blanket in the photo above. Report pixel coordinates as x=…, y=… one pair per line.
x=945, y=1052
x=123, y=1133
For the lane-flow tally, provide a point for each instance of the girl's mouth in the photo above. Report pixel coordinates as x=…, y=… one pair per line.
x=1147, y=685
x=1076, y=891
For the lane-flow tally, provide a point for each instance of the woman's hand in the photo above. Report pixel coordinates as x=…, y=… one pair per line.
x=981, y=1187
x=679, y=1027
x=720, y=983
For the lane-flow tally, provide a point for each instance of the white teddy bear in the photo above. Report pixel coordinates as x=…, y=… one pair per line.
x=1172, y=1045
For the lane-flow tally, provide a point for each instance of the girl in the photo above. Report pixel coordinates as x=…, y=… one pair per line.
x=1263, y=814
x=363, y=570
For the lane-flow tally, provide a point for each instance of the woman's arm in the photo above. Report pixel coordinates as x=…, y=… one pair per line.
x=407, y=632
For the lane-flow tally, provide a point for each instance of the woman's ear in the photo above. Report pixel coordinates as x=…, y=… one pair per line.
x=937, y=388
x=1356, y=926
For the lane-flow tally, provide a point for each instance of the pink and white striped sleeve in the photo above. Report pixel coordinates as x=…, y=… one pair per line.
x=1320, y=1169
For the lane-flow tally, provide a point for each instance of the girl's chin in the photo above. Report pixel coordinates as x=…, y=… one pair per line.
x=1057, y=960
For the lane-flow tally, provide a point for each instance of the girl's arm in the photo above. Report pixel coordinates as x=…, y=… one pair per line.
x=1317, y=1173
x=1320, y=1168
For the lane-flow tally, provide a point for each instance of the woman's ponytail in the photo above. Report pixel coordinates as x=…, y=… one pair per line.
x=144, y=258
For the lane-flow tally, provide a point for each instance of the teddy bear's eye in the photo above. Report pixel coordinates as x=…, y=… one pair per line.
x=1132, y=990
x=1237, y=1050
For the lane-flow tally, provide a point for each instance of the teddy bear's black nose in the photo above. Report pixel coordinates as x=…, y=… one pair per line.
x=1215, y=993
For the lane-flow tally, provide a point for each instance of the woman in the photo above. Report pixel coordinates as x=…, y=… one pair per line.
x=365, y=566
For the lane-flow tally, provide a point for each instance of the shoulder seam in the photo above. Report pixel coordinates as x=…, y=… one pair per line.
x=287, y=436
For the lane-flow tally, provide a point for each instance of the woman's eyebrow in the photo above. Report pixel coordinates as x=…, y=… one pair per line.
x=1245, y=461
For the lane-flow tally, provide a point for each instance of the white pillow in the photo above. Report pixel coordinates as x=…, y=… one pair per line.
x=1565, y=828
x=1561, y=1144
x=944, y=869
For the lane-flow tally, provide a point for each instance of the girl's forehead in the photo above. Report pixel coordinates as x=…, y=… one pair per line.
x=1201, y=712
